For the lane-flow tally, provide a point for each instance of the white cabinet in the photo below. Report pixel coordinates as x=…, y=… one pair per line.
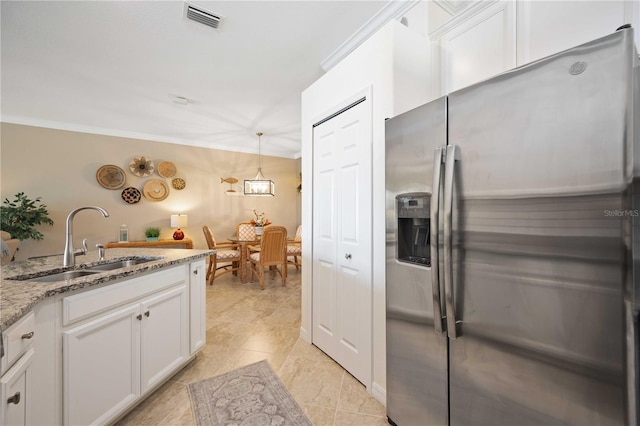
x=14, y=393
x=101, y=367
x=197, y=306
x=548, y=27
x=15, y=371
x=131, y=337
x=473, y=41
x=17, y=339
x=479, y=46
x=46, y=370
x=164, y=335
x=90, y=356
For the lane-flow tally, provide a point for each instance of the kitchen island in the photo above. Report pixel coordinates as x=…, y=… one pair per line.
x=89, y=348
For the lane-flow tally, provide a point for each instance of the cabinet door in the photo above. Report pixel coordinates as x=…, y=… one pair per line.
x=197, y=305
x=101, y=367
x=165, y=335
x=14, y=393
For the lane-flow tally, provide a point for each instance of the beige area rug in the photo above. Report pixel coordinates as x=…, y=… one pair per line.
x=251, y=396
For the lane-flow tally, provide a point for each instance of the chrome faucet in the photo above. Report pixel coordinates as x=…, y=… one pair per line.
x=100, y=248
x=69, y=258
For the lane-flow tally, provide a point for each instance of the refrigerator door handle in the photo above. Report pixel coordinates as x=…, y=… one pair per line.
x=453, y=155
x=438, y=307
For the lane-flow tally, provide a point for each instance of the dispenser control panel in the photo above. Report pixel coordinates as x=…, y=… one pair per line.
x=410, y=206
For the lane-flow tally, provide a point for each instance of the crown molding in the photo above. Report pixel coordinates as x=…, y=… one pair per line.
x=72, y=127
x=467, y=11
x=392, y=10
x=452, y=6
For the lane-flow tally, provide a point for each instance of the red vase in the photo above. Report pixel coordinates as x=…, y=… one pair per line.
x=178, y=235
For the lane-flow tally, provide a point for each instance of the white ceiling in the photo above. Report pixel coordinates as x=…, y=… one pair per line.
x=111, y=67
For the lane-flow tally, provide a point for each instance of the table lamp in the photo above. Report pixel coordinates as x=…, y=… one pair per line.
x=178, y=221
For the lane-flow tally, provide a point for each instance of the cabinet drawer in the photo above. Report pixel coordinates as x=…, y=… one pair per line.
x=83, y=305
x=15, y=388
x=18, y=338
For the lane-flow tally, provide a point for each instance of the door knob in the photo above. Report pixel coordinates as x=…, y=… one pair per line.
x=347, y=256
x=15, y=399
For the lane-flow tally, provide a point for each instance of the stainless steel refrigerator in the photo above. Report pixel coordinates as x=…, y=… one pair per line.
x=512, y=232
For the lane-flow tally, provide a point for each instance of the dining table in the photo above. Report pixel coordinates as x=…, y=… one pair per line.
x=243, y=246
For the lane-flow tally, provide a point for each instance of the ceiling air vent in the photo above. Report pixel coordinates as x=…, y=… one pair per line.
x=200, y=15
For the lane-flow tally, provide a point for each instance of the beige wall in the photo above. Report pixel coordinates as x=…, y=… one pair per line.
x=60, y=166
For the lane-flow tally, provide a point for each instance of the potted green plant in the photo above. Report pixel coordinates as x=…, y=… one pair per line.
x=152, y=233
x=20, y=216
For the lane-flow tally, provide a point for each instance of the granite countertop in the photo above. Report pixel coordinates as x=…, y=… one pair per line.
x=17, y=298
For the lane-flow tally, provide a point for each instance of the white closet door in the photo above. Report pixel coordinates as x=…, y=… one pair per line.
x=342, y=239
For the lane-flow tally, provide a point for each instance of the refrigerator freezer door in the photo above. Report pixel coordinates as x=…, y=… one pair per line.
x=539, y=241
x=416, y=354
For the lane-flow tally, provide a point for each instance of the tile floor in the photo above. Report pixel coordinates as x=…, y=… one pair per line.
x=246, y=325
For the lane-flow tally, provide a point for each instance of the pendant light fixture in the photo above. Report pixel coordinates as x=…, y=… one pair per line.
x=259, y=185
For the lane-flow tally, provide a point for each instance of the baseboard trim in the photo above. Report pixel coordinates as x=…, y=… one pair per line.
x=379, y=393
x=304, y=335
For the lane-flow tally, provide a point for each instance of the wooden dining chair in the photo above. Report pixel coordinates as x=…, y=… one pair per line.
x=226, y=259
x=294, y=248
x=245, y=231
x=272, y=254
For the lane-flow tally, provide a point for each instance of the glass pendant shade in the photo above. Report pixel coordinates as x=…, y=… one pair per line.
x=259, y=185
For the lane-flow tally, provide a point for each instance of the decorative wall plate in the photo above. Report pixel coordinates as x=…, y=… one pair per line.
x=156, y=190
x=167, y=169
x=111, y=177
x=178, y=183
x=141, y=166
x=131, y=195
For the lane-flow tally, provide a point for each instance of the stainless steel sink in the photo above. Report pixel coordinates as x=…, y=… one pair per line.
x=121, y=264
x=60, y=276
x=81, y=271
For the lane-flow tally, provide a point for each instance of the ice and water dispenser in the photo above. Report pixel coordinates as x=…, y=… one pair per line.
x=413, y=233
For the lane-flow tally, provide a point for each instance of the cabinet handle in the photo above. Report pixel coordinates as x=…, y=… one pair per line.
x=15, y=399
x=347, y=256
x=28, y=335
x=139, y=317
x=146, y=314
x=195, y=272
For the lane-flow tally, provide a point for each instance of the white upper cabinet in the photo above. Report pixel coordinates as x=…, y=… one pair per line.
x=478, y=47
x=477, y=40
x=546, y=27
